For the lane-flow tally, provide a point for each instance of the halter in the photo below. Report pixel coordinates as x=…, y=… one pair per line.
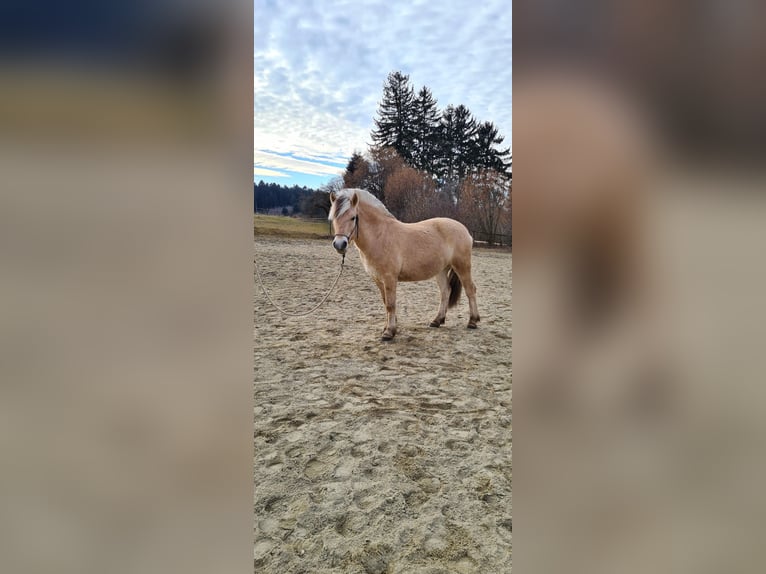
x=348, y=237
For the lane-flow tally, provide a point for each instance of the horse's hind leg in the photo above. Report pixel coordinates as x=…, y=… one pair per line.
x=443, y=281
x=472, y=306
x=464, y=272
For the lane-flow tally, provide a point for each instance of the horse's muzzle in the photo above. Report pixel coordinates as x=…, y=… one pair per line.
x=340, y=244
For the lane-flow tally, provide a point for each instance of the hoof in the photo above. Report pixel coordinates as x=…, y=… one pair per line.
x=387, y=337
x=434, y=324
x=472, y=325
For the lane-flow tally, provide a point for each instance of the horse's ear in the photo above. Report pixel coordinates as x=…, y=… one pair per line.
x=332, y=197
x=354, y=199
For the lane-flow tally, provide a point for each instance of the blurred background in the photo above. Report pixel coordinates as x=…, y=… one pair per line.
x=639, y=227
x=126, y=286
x=126, y=294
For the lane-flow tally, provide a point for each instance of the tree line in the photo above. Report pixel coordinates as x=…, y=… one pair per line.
x=270, y=196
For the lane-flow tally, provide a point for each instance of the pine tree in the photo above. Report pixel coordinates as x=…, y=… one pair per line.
x=450, y=146
x=457, y=143
x=426, y=124
x=488, y=155
x=394, y=126
x=445, y=161
x=465, y=142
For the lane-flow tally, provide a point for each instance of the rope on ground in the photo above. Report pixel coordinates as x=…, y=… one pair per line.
x=310, y=311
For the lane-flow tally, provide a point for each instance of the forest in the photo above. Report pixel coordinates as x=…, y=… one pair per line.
x=270, y=197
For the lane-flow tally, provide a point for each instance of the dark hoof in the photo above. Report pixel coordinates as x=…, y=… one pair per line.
x=387, y=338
x=472, y=325
x=434, y=324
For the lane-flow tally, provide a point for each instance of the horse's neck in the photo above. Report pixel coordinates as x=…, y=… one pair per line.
x=372, y=224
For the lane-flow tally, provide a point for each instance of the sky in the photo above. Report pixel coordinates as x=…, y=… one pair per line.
x=320, y=67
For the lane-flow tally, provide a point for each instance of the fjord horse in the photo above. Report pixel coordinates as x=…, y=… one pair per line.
x=392, y=251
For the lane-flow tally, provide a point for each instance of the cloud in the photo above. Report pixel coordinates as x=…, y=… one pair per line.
x=319, y=67
x=264, y=159
x=268, y=172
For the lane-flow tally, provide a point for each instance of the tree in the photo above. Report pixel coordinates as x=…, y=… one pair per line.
x=394, y=126
x=464, y=143
x=410, y=194
x=457, y=144
x=487, y=155
x=426, y=131
x=446, y=159
x=317, y=204
x=357, y=171
x=457, y=148
x=447, y=146
x=335, y=184
x=485, y=200
x=506, y=217
x=269, y=196
x=384, y=162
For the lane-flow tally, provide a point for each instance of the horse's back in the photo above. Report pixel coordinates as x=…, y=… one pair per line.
x=453, y=238
x=449, y=229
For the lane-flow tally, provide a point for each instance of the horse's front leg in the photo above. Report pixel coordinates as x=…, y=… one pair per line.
x=382, y=290
x=389, y=289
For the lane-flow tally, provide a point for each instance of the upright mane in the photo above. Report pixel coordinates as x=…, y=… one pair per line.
x=343, y=202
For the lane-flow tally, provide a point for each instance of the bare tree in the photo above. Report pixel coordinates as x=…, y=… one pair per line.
x=506, y=219
x=318, y=203
x=485, y=199
x=411, y=194
x=335, y=184
x=384, y=162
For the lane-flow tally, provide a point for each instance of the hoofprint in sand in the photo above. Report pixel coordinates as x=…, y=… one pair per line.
x=375, y=457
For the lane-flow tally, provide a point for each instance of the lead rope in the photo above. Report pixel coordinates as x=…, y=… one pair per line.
x=289, y=314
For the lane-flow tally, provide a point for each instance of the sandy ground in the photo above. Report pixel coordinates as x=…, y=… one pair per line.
x=375, y=457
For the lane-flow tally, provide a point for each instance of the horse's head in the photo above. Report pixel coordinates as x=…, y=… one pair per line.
x=345, y=219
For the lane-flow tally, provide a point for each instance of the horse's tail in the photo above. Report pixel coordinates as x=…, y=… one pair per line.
x=455, y=288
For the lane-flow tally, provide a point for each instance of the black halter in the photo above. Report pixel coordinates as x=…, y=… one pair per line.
x=356, y=229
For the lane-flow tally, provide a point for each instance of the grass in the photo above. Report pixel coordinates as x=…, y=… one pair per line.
x=290, y=226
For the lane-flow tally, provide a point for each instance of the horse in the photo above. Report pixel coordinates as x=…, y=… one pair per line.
x=393, y=251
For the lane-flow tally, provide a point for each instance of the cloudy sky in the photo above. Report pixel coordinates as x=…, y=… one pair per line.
x=320, y=67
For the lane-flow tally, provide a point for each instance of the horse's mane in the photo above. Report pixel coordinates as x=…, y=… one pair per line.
x=343, y=202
